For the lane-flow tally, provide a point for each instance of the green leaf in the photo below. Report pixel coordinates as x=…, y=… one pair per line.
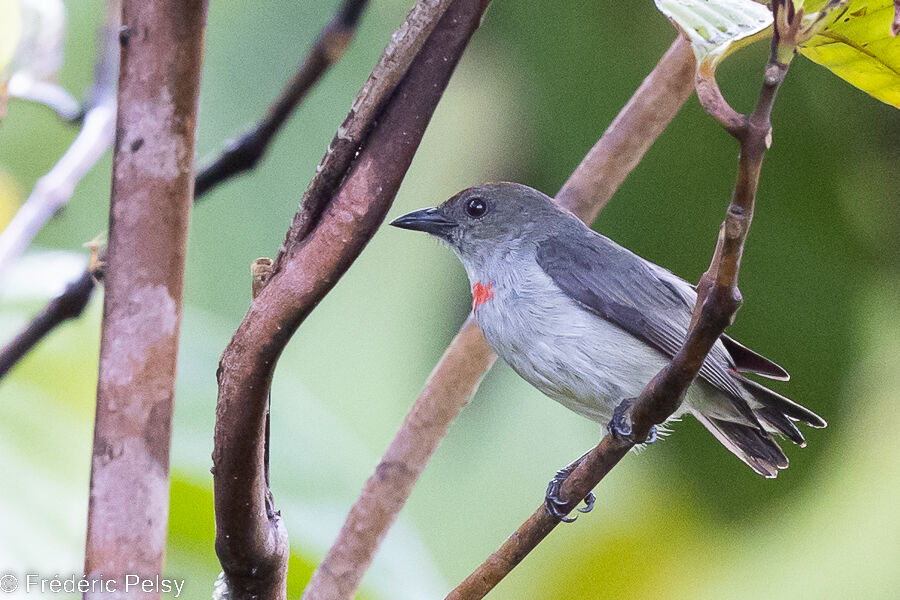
x=717, y=28
x=857, y=46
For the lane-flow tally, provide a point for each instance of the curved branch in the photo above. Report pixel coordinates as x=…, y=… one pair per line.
x=718, y=300
x=456, y=377
x=251, y=543
x=394, y=61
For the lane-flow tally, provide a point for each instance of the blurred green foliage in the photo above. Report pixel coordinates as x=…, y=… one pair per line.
x=539, y=84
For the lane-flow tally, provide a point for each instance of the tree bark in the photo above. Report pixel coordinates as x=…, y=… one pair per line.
x=152, y=187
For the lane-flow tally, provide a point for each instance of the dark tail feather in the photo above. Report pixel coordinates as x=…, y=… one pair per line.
x=777, y=421
x=775, y=402
x=752, y=445
x=748, y=361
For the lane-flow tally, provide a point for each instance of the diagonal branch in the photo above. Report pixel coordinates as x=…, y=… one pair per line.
x=68, y=305
x=718, y=300
x=394, y=62
x=251, y=542
x=238, y=157
x=456, y=377
x=56, y=187
x=244, y=153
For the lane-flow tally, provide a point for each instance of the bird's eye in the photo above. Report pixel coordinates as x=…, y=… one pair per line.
x=476, y=207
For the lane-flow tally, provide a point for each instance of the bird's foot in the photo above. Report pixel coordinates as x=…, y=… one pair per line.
x=556, y=506
x=620, y=424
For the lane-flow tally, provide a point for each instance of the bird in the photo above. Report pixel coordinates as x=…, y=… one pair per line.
x=589, y=323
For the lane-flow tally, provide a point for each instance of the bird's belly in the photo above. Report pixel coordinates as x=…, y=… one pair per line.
x=573, y=356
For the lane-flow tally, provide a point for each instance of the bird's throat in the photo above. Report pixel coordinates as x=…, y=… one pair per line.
x=481, y=293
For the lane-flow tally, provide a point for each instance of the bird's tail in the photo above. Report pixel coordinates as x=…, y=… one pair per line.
x=752, y=442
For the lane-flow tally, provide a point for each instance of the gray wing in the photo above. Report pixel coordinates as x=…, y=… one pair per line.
x=642, y=298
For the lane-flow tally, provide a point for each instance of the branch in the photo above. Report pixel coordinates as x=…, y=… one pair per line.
x=162, y=49
x=238, y=157
x=718, y=300
x=456, y=377
x=55, y=189
x=55, y=97
x=394, y=61
x=244, y=154
x=68, y=305
x=251, y=544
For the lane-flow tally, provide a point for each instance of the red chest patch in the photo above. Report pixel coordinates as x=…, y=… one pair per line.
x=481, y=293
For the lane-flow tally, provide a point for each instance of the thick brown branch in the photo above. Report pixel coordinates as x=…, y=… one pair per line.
x=456, y=377
x=251, y=544
x=244, y=153
x=717, y=302
x=394, y=61
x=238, y=157
x=151, y=197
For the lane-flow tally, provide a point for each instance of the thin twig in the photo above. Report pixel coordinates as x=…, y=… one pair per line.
x=718, y=300
x=251, y=545
x=67, y=305
x=152, y=184
x=244, y=153
x=238, y=157
x=456, y=377
x=52, y=95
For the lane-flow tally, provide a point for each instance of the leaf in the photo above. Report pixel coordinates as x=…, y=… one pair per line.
x=717, y=28
x=856, y=45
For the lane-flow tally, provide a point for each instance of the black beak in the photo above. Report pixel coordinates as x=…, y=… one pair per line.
x=429, y=220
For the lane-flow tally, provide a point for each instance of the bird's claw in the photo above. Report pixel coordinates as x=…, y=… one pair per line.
x=556, y=506
x=588, y=503
x=620, y=424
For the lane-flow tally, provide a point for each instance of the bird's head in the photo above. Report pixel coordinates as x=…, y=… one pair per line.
x=486, y=222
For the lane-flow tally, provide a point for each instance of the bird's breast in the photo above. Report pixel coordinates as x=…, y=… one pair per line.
x=567, y=352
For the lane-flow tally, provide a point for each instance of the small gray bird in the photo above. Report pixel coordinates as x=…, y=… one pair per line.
x=590, y=323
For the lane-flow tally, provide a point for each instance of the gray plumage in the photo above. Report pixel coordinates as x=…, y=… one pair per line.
x=589, y=323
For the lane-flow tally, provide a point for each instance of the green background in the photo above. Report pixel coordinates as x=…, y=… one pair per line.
x=537, y=86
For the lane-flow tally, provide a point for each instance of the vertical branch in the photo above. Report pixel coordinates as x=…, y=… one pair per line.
x=456, y=377
x=251, y=541
x=162, y=46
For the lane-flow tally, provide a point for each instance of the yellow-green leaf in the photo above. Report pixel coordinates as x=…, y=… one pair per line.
x=857, y=46
x=717, y=28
